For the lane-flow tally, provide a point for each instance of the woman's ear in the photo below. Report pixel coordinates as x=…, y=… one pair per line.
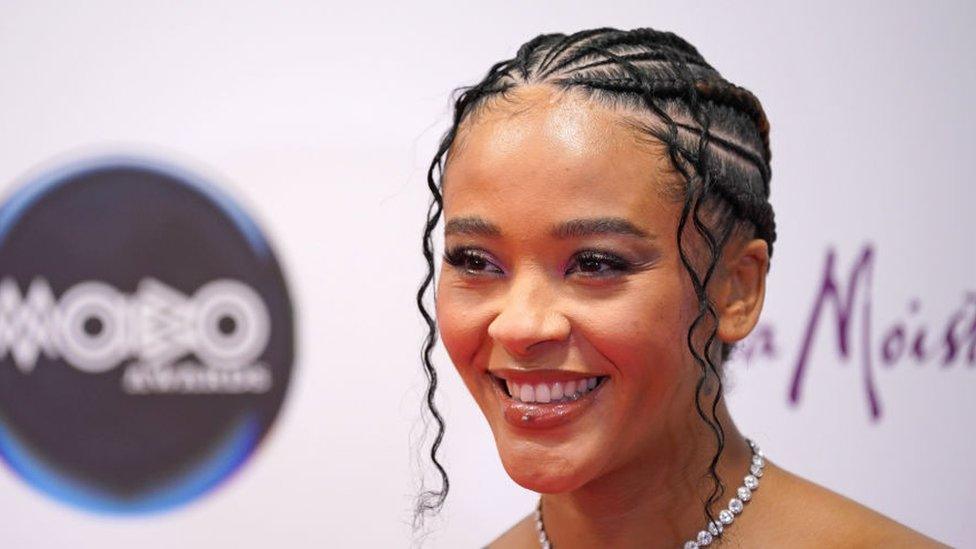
x=740, y=295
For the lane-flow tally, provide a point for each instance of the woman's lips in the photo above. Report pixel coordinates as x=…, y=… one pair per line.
x=545, y=400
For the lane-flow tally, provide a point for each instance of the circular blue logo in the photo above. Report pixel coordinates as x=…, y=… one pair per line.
x=146, y=335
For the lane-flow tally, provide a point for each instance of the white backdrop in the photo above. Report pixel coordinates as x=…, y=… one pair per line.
x=321, y=119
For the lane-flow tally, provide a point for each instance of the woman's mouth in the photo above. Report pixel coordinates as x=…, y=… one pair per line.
x=530, y=400
x=555, y=392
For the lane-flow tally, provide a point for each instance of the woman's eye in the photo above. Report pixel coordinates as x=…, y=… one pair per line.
x=471, y=261
x=599, y=264
x=588, y=263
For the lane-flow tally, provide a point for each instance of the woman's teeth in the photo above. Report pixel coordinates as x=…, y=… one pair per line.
x=560, y=391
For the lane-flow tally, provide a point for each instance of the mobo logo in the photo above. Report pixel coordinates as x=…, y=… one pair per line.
x=94, y=328
x=146, y=337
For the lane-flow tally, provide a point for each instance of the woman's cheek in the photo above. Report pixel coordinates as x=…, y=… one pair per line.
x=458, y=330
x=632, y=331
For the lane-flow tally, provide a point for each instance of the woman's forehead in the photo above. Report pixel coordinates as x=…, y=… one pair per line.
x=540, y=119
x=557, y=151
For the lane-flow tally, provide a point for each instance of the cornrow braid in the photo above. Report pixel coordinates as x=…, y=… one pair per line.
x=717, y=139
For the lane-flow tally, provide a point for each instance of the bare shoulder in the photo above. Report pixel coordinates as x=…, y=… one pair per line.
x=787, y=511
x=798, y=513
x=520, y=536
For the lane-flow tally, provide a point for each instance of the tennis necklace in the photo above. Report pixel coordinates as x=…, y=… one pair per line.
x=714, y=529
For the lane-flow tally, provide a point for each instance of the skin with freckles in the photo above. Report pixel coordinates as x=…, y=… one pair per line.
x=561, y=263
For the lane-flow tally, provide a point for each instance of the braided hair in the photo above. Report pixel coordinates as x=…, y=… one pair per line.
x=716, y=136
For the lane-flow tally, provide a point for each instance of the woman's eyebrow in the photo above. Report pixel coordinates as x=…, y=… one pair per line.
x=472, y=225
x=574, y=228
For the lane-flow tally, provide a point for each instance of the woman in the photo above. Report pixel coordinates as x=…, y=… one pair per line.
x=607, y=238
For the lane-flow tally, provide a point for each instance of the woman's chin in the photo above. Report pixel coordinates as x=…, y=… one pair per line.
x=545, y=474
x=555, y=458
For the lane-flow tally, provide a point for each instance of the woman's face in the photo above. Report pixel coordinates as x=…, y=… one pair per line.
x=563, y=302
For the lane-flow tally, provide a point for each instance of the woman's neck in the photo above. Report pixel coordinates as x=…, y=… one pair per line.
x=654, y=500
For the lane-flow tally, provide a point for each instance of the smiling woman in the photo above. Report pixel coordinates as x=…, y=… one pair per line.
x=607, y=238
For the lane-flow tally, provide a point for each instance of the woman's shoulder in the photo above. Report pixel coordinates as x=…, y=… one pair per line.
x=788, y=511
x=798, y=513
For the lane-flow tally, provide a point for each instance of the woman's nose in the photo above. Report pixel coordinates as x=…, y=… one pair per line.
x=528, y=316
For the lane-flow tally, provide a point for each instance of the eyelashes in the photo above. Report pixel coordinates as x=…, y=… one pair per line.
x=590, y=263
x=469, y=260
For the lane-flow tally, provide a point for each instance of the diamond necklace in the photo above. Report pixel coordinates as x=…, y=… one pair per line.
x=714, y=529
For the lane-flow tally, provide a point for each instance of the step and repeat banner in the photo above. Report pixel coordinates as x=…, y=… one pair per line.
x=210, y=245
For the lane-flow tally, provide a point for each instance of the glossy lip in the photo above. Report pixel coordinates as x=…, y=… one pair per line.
x=538, y=415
